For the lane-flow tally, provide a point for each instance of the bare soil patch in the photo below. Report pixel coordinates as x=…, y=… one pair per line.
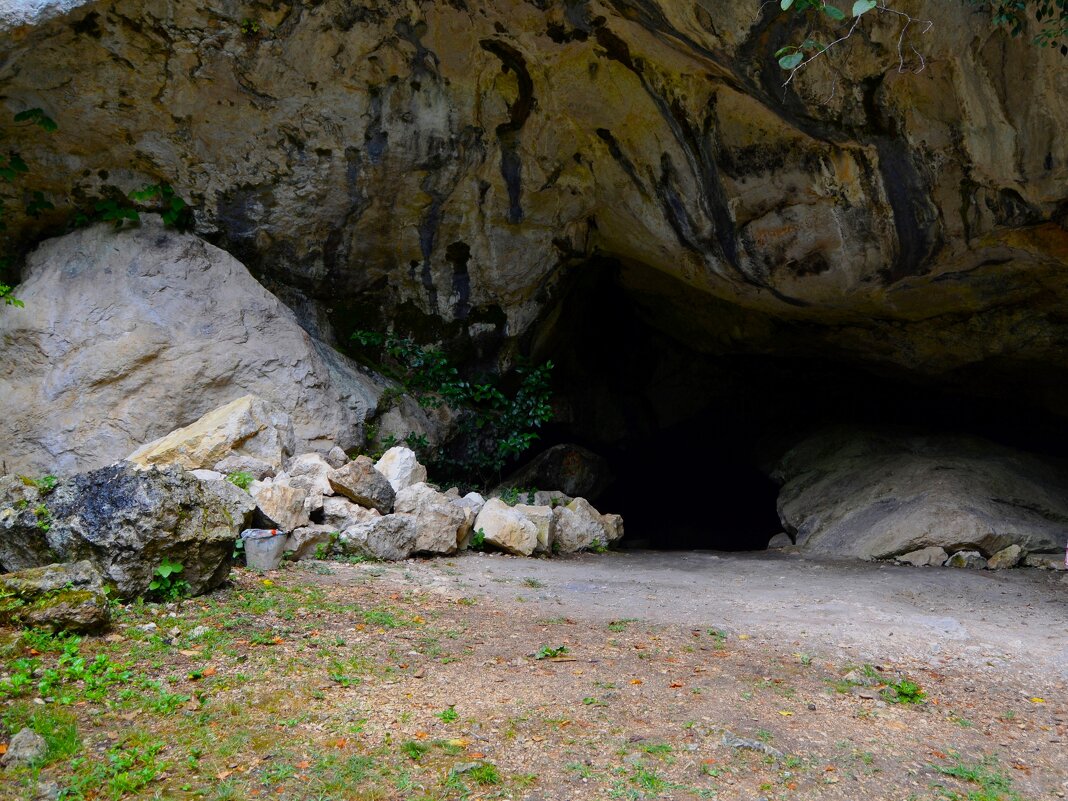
x=613, y=676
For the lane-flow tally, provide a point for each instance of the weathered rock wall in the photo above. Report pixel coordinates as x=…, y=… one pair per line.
x=449, y=164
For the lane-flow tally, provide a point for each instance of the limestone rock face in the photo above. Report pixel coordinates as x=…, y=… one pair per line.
x=506, y=528
x=401, y=467
x=68, y=597
x=126, y=521
x=247, y=426
x=127, y=335
x=876, y=494
x=454, y=159
x=390, y=538
x=441, y=523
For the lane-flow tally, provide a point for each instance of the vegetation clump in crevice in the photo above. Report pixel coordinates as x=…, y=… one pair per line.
x=497, y=419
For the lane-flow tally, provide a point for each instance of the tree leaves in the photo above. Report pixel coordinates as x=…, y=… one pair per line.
x=790, y=61
x=861, y=7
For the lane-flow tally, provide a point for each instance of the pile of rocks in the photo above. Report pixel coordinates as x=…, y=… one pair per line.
x=329, y=504
x=1013, y=556
x=387, y=510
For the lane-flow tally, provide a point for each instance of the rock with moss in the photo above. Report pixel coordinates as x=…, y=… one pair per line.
x=126, y=522
x=61, y=597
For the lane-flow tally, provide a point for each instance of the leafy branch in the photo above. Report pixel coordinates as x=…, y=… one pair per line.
x=495, y=426
x=794, y=58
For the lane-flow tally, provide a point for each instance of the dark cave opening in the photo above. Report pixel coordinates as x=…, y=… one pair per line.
x=692, y=427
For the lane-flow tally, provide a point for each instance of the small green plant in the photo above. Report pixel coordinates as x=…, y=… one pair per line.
x=478, y=540
x=164, y=585
x=324, y=549
x=547, y=652
x=43, y=484
x=904, y=692
x=7, y=295
x=992, y=783
x=162, y=198
x=621, y=625
x=448, y=715
x=250, y=27
x=241, y=479
x=44, y=517
x=414, y=750
x=485, y=774
x=533, y=583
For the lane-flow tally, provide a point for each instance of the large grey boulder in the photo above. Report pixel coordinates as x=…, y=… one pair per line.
x=280, y=506
x=580, y=527
x=61, y=597
x=128, y=334
x=340, y=513
x=869, y=494
x=506, y=528
x=361, y=483
x=389, y=538
x=309, y=472
x=401, y=467
x=126, y=521
x=544, y=523
x=442, y=523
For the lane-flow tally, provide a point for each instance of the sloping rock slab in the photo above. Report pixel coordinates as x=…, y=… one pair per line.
x=126, y=521
x=61, y=597
x=878, y=494
x=247, y=426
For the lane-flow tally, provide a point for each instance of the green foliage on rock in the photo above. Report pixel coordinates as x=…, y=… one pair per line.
x=498, y=418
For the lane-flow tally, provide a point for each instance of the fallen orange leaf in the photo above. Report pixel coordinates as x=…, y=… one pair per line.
x=675, y=684
x=208, y=671
x=303, y=765
x=635, y=681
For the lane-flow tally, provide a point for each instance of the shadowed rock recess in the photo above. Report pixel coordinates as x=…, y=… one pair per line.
x=717, y=264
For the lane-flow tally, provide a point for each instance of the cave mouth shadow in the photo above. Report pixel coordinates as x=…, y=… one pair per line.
x=692, y=420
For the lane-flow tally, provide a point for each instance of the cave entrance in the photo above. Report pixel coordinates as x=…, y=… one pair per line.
x=692, y=403
x=683, y=431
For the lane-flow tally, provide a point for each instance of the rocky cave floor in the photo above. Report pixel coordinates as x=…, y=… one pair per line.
x=624, y=675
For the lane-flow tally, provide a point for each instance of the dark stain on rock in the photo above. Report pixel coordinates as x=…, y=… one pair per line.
x=915, y=218
x=508, y=132
x=458, y=254
x=89, y=25
x=375, y=139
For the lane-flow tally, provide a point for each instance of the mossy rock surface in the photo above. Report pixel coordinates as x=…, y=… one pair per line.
x=61, y=597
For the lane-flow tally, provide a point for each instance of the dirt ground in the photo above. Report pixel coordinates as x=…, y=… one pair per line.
x=630, y=675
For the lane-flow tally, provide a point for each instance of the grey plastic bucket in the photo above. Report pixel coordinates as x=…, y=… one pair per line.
x=264, y=548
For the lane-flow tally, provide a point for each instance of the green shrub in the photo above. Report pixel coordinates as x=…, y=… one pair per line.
x=498, y=417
